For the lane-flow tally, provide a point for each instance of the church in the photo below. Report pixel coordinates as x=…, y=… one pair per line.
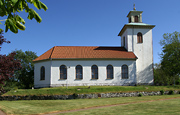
x=129, y=64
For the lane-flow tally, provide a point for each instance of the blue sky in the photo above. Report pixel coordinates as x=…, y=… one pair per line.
x=91, y=23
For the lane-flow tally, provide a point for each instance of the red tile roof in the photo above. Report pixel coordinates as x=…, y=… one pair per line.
x=86, y=52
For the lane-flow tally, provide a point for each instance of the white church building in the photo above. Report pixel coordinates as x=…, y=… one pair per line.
x=129, y=64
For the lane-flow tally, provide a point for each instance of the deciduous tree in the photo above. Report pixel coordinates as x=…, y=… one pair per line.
x=2, y=39
x=25, y=76
x=12, y=8
x=170, y=56
x=7, y=67
x=160, y=77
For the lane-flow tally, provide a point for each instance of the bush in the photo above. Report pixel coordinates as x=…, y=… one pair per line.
x=162, y=92
x=140, y=95
x=171, y=92
x=75, y=95
x=178, y=82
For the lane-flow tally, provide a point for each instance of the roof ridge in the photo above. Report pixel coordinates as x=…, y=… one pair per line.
x=52, y=52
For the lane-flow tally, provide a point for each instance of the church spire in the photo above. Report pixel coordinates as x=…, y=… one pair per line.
x=135, y=16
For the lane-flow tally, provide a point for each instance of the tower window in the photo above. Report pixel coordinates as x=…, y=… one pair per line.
x=130, y=20
x=139, y=38
x=136, y=19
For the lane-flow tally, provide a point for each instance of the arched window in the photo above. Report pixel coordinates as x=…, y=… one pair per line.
x=94, y=71
x=63, y=72
x=79, y=72
x=136, y=19
x=42, y=73
x=109, y=72
x=124, y=72
x=139, y=38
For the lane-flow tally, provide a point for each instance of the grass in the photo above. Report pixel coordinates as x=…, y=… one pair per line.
x=168, y=107
x=44, y=106
x=86, y=90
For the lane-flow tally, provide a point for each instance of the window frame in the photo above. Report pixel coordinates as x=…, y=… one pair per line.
x=94, y=72
x=63, y=75
x=124, y=72
x=110, y=72
x=79, y=71
x=42, y=73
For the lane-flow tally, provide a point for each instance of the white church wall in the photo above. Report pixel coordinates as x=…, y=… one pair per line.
x=37, y=81
x=86, y=64
x=144, y=52
x=127, y=41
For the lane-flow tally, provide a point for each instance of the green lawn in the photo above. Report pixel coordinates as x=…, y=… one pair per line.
x=44, y=106
x=86, y=90
x=167, y=107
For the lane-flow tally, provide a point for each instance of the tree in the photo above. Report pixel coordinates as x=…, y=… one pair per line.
x=170, y=56
x=2, y=39
x=25, y=76
x=11, y=10
x=7, y=67
x=160, y=77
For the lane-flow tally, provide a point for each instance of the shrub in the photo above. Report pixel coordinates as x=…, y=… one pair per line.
x=140, y=95
x=75, y=95
x=162, y=92
x=178, y=82
x=171, y=92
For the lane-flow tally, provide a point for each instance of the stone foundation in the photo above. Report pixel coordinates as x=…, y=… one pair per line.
x=83, y=96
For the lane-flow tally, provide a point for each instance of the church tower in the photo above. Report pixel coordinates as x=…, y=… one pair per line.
x=136, y=37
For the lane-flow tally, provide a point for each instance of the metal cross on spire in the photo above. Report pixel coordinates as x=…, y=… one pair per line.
x=134, y=7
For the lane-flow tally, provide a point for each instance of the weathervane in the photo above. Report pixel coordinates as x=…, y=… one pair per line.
x=134, y=7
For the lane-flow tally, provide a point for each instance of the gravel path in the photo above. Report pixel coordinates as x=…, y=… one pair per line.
x=2, y=113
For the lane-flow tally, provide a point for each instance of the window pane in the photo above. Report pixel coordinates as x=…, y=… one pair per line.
x=136, y=19
x=79, y=72
x=94, y=70
x=139, y=38
x=42, y=73
x=63, y=72
x=109, y=72
x=124, y=72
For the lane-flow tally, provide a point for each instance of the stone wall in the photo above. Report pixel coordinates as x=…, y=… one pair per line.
x=83, y=96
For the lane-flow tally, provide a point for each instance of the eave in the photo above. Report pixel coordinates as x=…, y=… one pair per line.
x=134, y=26
x=134, y=11
x=54, y=59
